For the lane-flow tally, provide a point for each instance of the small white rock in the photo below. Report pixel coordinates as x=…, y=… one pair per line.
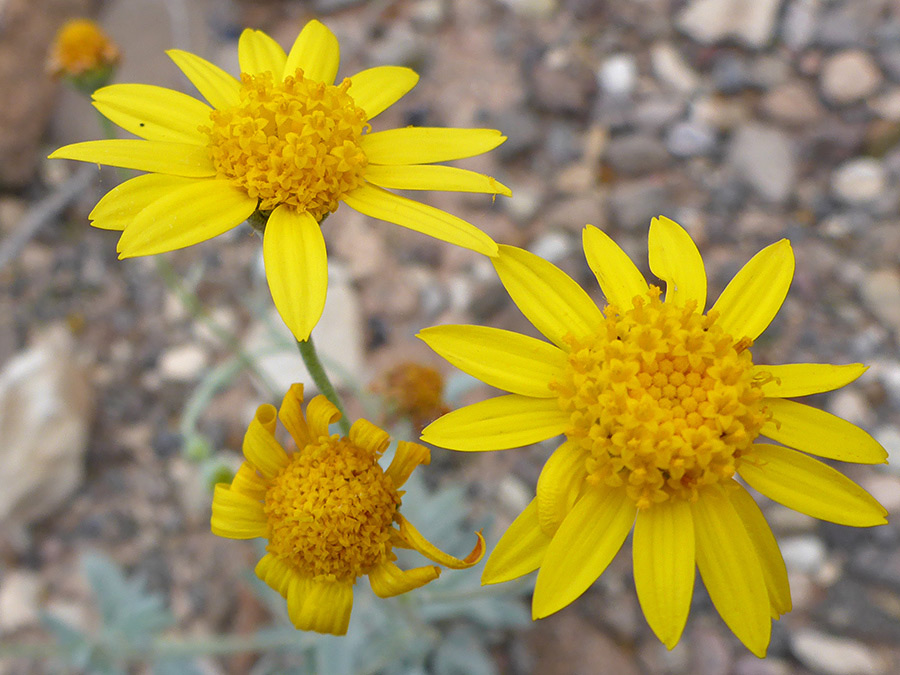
x=859, y=181
x=618, y=75
x=849, y=76
x=671, y=68
x=804, y=554
x=831, y=655
x=183, y=363
x=749, y=21
x=19, y=600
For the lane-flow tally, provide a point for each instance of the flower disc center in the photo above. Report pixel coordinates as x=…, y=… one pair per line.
x=662, y=400
x=295, y=142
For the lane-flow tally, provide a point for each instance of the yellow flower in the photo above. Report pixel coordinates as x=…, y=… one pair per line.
x=414, y=391
x=660, y=405
x=82, y=51
x=327, y=510
x=284, y=141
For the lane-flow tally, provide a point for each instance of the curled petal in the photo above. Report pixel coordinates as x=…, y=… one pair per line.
x=291, y=415
x=366, y=435
x=237, y=516
x=388, y=580
x=260, y=447
x=406, y=459
x=248, y=482
x=275, y=573
x=416, y=541
x=320, y=605
x=321, y=414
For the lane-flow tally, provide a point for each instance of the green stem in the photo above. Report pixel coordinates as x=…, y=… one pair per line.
x=320, y=377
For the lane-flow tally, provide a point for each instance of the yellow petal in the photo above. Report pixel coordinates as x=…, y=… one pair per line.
x=119, y=207
x=185, y=216
x=296, y=268
x=426, y=145
x=767, y=550
x=260, y=447
x=237, y=516
x=388, y=580
x=259, y=53
x=519, y=551
x=407, y=457
x=820, y=433
x=291, y=415
x=320, y=415
x=275, y=573
x=384, y=205
x=377, y=89
x=619, y=278
x=731, y=571
x=802, y=379
x=434, y=177
x=674, y=258
x=498, y=423
x=559, y=485
x=516, y=363
x=664, y=567
x=582, y=548
x=547, y=296
x=154, y=113
x=809, y=486
x=175, y=159
x=213, y=83
x=317, y=52
x=369, y=437
x=320, y=605
x=248, y=482
x=752, y=299
x=416, y=541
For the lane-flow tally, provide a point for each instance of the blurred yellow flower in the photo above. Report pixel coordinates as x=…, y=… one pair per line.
x=414, y=391
x=83, y=52
x=286, y=142
x=660, y=404
x=328, y=511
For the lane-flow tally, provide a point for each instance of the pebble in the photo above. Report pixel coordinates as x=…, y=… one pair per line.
x=553, y=246
x=688, y=139
x=671, y=69
x=749, y=21
x=804, y=554
x=799, y=25
x=634, y=203
x=636, y=154
x=560, y=84
x=750, y=665
x=618, y=75
x=794, y=103
x=830, y=655
x=880, y=292
x=19, y=596
x=849, y=76
x=887, y=106
x=657, y=113
x=183, y=363
x=859, y=181
x=763, y=156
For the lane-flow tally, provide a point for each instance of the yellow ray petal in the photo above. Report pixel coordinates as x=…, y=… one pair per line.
x=498, y=423
x=317, y=52
x=731, y=571
x=378, y=203
x=519, y=551
x=767, y=550
x=434, y=177
x=388, y=580
x=259, y=53
x=237, y=516
x=291, y=415
x=154, y=113
x=752, y=299
x=582, y=548
x=175, y=159
x=320, y=605
x=377, y=89
x=407, y=457
x=119, y=207
x=802, y=379
x=619, y=278
x=276, y=574
x=213, y=83
x=426, y=145
x=320, y=415
x=664, y=567
x=369, y=437
x=547, y=296
x=260, y=447
x=820, y=433
x=416, y=541
x=516, y=363
x=809, y=486
x=248, y=482
x=296, y=268
x=559, y=485
x=674, y=258
x=185, y=216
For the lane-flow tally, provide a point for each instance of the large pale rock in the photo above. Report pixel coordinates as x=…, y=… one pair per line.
x=45, y=411
x=749, y=21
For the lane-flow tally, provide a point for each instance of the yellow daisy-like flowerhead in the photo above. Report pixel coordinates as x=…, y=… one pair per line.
x=414, y=391
x=329, y=512
x=83, y=52
x=662, y=406
x=284, y=141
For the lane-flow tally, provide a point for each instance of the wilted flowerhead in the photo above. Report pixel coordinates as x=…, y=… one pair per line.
x=662, y=408
x=328, y=510
x=414, y=391
x=83, y=53
x=283, y=144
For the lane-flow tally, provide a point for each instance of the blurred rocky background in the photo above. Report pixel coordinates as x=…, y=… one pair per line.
x=744, y=120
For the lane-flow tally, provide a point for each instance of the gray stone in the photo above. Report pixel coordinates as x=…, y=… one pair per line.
x=849, y=76
x=553, y=246
x=880, y=292
x=764, y=157
x=795, y=103
x=887, y=106
x=749, y=21
x=751, y=665
x=636, y=153
x=730, y=74
x=687, y=139
x=671, y=69
x=799, y=25
x=890, y=61
x=859, y=181
x=804, y=554
x=522, y=129
x=561, y=84
x=830, y=655
x=634, y=203
x=658, y=113
x=618, y=75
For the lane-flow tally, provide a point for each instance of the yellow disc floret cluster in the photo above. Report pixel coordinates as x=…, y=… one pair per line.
x=82, y=46
x=294, y=142
x=330, y=511
x=662, y=400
